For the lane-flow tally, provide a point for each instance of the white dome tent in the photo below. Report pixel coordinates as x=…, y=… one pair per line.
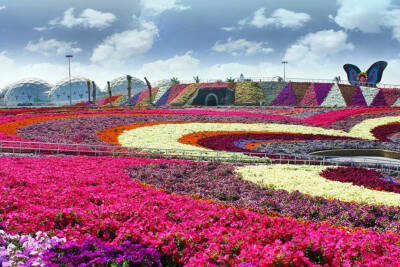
x=27, y=92
x=162, y=83
x=3, y=92
x=119, y=86
x=59, y=94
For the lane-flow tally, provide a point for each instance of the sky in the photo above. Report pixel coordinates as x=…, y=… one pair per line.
x=211, y=39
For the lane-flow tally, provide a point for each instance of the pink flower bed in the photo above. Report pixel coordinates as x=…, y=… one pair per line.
x=327, y=118
x=79, y=197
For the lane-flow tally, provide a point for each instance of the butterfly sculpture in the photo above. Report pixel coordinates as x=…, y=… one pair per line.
x=369, y=78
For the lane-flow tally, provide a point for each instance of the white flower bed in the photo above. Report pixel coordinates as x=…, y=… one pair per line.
x=334, y=98
x=161, y=91
x=369, y=93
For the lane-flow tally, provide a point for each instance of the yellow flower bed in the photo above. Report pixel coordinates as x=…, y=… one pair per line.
x=248, y=92
x=306, y=179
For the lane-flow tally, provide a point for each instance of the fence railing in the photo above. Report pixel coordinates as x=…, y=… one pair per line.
x=291, y=79
x=37, y=148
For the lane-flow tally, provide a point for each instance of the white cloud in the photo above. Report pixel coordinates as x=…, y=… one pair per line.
x=392, y=20
x=241, y=47
x=2, y=7
x=156, y=7
x=52, y=46
x=40, y=29
x=119, y=47
x=89, y=18
x=228, y=29
x=280, y=18
x=180, y=65
x=4, y=59
x=369, y=16
x=318, y=45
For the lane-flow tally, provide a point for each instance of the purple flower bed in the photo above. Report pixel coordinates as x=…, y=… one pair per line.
x=219, y=182
x=95, y=252
x=286, y=97
x=319, y=145
x=379, y=99
x=163, y=99
x=358, y=99
x=321, y=91
x=85, y=129
x=41, y=250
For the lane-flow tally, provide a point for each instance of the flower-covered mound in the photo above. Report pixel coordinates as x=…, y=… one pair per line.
x=81, y=197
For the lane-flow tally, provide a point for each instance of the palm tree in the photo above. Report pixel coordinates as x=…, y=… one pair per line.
x=174, y=80
x=196, y=79
x=230, y=80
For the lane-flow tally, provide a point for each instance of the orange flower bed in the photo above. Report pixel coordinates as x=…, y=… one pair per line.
x=254, y=145
x=110, y=135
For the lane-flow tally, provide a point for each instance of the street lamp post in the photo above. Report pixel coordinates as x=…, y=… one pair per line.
x=284, y=70
x=69, y=68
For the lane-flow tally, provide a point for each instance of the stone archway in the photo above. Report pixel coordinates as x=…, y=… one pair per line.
x=211, y=100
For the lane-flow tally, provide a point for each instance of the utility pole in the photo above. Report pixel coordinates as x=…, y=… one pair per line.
x=284, y=70
x=69, y=68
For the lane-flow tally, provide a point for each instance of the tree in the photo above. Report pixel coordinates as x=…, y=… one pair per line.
x=129, y=78
x=230, y=80
x=110, y=93
x=149, y=87
x=196, y=79
x=174, y=80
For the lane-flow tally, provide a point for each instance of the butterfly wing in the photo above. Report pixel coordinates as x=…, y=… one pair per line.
x=375, y=72
x=352, y=73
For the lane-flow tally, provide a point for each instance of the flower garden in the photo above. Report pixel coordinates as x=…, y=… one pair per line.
x=85, y=210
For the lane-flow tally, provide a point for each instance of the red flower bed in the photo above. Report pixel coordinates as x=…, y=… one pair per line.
x=360, y=176
x=382, y=132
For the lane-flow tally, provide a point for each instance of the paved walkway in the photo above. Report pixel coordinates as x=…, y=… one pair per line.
x=368, y=159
